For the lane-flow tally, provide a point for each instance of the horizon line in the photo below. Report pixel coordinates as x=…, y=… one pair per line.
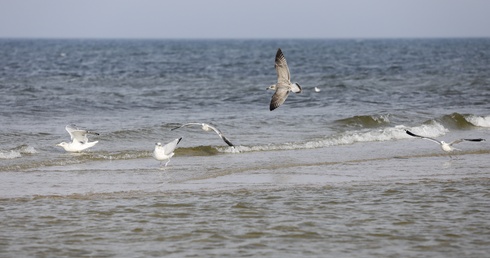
x=241, y=38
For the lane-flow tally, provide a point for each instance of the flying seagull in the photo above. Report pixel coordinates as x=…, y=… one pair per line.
x=79, y=139
x=162, y=153
x=208, y=127
x=283, y=85
x=445, y=146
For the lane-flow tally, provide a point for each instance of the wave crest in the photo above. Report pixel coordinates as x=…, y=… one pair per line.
x=430, y=129
x=480, y=121
x=465, y=121
x=17, y=152
x=367, y=121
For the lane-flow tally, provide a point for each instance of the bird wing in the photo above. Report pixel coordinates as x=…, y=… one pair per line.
x=170, y=147
x=227, y=141
x=279, y=97
x=423, y=137
x=282, y=68
x=185, y=125
x=455, y=142
x=475, y=140
x=216, y=130
x=469, y=140
x=77, y=134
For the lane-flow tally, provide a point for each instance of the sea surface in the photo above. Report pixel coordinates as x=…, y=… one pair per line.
x=327, y=174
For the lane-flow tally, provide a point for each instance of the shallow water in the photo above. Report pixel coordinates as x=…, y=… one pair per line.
x=412, y=207
x=327, y=174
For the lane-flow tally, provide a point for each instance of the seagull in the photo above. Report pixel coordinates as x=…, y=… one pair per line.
x=79, y=139
x=445, y=146
x=162, y=153
x=283, y=85
x=207, y=127
x=317, y=89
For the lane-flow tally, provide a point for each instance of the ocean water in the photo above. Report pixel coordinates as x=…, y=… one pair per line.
x=327, y=174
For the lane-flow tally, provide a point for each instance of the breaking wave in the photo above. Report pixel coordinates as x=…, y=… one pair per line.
x=17, y=152
x=367, y=121
x=357, y=129
x=465, y=121
x=430, y=129
x=480, y=121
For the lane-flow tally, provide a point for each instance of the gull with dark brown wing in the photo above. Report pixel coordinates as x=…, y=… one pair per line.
x=283, y=85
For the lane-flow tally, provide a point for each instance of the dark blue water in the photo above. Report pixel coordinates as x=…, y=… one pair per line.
x=347, y=140
x=87, y=75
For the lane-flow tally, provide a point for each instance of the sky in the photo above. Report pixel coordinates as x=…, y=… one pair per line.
x=244, y=19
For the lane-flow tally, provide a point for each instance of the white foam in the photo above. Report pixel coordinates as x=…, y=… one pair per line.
x=481, y=121
x=433, y=129
x=10, y=154
x=25, y=149
x=17, y=152
x=382, y=119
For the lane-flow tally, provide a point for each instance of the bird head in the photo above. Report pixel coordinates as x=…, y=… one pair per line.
x=272, y=87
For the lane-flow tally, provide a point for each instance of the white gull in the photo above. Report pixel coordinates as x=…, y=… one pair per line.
x=445, y=146
x=79, y=139
x=166, y=151
x=208, y=127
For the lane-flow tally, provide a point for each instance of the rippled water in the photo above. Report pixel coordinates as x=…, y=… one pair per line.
x=331, y=173
x=380, y=220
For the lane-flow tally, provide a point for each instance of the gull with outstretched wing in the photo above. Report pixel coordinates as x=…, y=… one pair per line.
x=445, y=146
x=208, y=127
x=283, y=85
x=79, y=139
